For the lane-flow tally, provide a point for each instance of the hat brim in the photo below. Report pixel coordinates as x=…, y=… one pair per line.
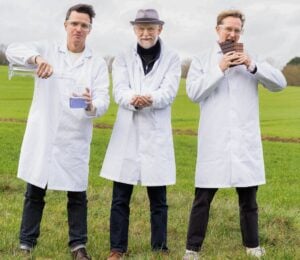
x=147, y=22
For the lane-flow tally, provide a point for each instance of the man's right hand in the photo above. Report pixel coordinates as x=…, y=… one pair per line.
x=44, y=69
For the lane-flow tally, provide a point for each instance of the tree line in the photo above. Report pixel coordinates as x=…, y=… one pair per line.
x=3, y=60
x=291, y=71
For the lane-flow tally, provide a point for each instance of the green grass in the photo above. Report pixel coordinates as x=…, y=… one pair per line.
x=280, y=113
x=279, y=200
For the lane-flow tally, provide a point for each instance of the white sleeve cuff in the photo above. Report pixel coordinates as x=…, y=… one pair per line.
x=252, y=68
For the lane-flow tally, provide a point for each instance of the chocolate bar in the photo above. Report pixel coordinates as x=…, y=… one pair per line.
x=228, y=46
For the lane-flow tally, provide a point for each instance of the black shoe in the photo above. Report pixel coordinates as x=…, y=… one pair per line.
x=81, y=254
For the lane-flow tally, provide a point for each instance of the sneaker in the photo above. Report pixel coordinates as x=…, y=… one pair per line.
x=257, y=252
x=25, y=248
x=115, y=255
x=191, y=255
x=80, y=254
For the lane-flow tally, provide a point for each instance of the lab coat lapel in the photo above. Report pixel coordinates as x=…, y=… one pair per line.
x=138, y=72
x=63, y=49
x=87, y=54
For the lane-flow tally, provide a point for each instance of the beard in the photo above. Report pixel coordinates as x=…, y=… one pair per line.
x=148, y=44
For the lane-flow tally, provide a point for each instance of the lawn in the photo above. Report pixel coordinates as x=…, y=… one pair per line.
x=279, y=200
x=280, y=113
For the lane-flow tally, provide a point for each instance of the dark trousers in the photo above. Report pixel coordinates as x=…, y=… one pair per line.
x=120, y=211
x=200, y=214
x=33, y=210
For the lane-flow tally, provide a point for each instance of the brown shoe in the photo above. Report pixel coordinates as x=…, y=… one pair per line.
x=81, y=254
x=114, y=255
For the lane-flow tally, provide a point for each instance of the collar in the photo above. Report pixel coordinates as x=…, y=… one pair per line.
x=87, y=52
x=134, y=46
x=154, y=50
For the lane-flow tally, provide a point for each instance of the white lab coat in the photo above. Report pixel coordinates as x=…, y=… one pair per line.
x=56, y=145
x=141, y=146
x=229, y=139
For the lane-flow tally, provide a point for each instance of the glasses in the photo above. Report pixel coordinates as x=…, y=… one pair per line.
x=230, y=30
x=83, y=26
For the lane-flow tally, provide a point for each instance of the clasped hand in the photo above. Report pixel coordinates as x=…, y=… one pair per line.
x=141, y=101
x=234, y=58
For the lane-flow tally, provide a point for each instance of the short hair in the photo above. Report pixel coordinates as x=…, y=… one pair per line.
x=232, y=13
x=82, y=8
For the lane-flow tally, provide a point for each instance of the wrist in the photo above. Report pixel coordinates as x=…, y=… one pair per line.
x=252, y=67
x=35, y=58
x=89, y=108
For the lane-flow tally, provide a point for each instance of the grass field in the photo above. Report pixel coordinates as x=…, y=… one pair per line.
x=279, y=200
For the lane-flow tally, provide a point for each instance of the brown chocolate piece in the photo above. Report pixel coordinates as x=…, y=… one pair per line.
x=228, y=46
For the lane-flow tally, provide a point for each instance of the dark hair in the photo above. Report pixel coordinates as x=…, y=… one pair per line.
x=232, y=13
x=82, y=8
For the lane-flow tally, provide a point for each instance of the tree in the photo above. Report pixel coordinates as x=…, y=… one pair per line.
x=185, y=66
x=109, y=61
x=294, y=61
x=292, y=72
x=3, y=60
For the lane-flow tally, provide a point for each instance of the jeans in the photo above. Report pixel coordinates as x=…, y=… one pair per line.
x=200, y=214
x=120, y=211
x=33, y=210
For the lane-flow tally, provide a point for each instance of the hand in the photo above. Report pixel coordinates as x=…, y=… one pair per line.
x=88, y=99
x=44, y=69
x=229, y=59
x=146, y=101
x=141, y=101
x=244, y=58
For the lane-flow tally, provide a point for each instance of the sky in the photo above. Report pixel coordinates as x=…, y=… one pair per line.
x=271, y=31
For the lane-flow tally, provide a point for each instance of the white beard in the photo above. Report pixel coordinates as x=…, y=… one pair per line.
x=148, y=45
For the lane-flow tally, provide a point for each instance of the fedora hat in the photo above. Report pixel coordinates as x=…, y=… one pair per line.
x=147, y=16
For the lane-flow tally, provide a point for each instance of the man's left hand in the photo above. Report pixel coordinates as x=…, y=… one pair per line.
x=243, y=58
x=88, y=99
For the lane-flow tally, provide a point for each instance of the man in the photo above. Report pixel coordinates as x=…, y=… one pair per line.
x=145, y=83
x=229, y=147
x=56, y=145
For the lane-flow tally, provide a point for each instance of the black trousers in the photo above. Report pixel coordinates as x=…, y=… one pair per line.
x=120, y=211
x=200, y=214
x=33, y=211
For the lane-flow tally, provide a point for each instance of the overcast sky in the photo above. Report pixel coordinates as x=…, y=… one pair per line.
x=272, y=28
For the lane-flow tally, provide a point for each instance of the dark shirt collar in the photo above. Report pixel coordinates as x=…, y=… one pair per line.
x=149, y=56
x=153, y=51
